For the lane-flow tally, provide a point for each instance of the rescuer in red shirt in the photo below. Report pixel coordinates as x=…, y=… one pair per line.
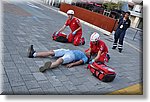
x=98, y=48
x=75, y=36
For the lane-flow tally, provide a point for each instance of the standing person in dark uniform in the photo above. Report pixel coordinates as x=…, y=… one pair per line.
x=123, y=25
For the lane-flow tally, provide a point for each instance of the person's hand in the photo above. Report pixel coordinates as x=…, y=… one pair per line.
x=56, y=33
x=74, y=32
x=88, y=53
x=69, y=65
x=92, y=61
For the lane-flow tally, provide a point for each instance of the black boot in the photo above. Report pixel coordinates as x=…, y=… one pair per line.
x=114, y=47
x=120, y=50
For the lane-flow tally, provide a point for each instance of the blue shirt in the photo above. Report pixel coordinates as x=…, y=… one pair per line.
x=79, y=55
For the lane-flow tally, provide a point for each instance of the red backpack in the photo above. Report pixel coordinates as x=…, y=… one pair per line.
x=102, y=72
x=60, y=37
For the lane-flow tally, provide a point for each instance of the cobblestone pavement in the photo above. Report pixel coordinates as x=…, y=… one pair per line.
x=27, y=23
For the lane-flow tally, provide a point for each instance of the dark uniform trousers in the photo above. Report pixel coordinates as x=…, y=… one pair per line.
x=119, y=35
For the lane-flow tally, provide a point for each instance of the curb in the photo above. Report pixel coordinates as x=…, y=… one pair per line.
x=136, y=89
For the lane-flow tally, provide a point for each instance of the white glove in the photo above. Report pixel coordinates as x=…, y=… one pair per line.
x=56, y=33
x=92, y=61
x=74, y=32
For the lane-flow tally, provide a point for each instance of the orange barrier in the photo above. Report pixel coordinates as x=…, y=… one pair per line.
x=96, y=19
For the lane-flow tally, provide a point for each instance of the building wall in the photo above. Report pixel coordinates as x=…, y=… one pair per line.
x=135, y=21
x=96, y=19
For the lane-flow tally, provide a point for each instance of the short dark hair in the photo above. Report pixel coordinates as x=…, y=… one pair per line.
x=128, y=12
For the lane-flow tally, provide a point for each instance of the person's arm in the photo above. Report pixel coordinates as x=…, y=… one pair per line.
x=129, y=23
x=119, y=20
x=89, y=52
x=75, y=63
x=78, y=25
x=98, y=55
x=62, y=29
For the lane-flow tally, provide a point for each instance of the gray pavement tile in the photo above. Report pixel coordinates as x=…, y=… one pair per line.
x=5, y=78
x=94, y=80
x=73, y=70
x=75, y=92
x=49, y=73
x=45, y=85
x=57, y=72
x=39, y=63
x=7, y=57
x=82, y=69
x=7, y=90
x=56, y=83
x=51, y=91
x=62, y=90
x=13, y=51
x=37, y=91
x=66, y=71
x=91, y=86
x=69, y=85
x=11, y=68
x=105, y=85
x=52, y=78
x=82, y=79
x=74, y=80
x=28, y=77
x=20, y=90
x=102, y=91
x=17, y=59
x=62, y=78
x=78, y=74
x=82, y=89
x=34, y=69
x=21, y=66
x=24, y=71
x=5, y=51
x=13, y=75
x=16, y=83
x=32, y=84
x=39, y=76
x=9, y=64
x=29, y=62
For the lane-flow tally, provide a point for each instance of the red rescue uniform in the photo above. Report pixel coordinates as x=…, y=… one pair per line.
x=74, y=24
x=99, y=46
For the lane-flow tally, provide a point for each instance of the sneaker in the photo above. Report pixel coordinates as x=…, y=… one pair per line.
x=45, y=67
x=31, y=52
x=114, y=47
x=82, y=41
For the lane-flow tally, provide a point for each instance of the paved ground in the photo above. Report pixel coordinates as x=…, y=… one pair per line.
x=30, y=23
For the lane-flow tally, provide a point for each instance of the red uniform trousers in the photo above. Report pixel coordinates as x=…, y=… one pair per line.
x=75, y=39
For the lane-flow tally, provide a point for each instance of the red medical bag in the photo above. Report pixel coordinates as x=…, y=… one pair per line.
x=102, y=72
x=60, y=37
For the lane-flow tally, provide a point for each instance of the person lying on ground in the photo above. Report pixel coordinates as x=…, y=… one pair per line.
x=65, y=56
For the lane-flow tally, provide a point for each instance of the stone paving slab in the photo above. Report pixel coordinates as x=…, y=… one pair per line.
x=21, y=74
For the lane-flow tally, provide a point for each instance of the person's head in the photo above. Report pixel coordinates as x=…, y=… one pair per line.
x=70, y=14
x=94, y=37
x=127, y=14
